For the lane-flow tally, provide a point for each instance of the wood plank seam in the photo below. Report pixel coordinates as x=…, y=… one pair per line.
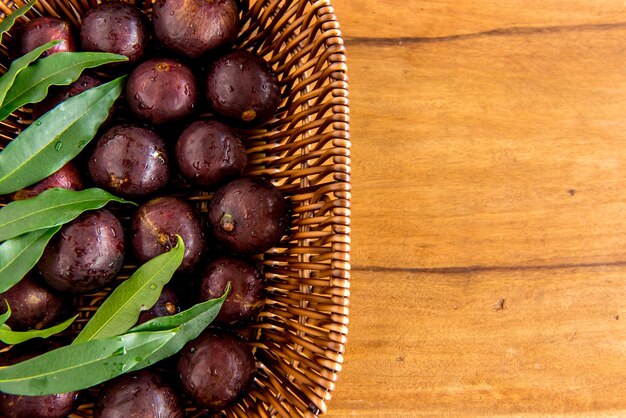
x=500, y=32
x=479, y=269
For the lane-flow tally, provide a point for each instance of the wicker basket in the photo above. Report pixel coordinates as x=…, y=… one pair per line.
x=299, y=338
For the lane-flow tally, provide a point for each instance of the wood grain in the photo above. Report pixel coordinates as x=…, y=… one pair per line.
x=518, y=165
x=485, y=343
x=489, y=237
x=364, y=20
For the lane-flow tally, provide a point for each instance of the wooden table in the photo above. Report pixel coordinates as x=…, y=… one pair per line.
x=489, y=208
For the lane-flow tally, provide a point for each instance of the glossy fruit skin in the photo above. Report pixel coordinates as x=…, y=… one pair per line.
x=42, y=30
x=215, y=368
x=48, y=406
x=143, y=394
x=83, y=83
x=167, y=304
x=130, y=161
x=116, y=27
x=248, y=215
x=67, y=177
x=247, y=295
x=209, y=153
x=34, y=305
x=241, y=87
x=85, y=255
x=157, y=222
x=195, y=27
x=161, y=91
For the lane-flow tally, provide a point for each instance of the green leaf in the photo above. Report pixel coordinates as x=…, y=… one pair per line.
x=50, y=208
x=57, y=137
x=20, y=254
x=121, y=309
x=163, y=323
x=6, y=81
x=17, y=337
x=9, y=20
x=80, y=366
x=5, y=316
x=60, y=69
x=191, y=323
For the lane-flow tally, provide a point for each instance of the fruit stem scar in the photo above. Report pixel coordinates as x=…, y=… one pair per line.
x=117, y=182
x=248, y=115
x=170, y=308
x=227, y=223
x=163, y=239
x=162, y=66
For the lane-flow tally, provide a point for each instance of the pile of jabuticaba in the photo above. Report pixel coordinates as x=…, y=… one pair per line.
x=174, y=208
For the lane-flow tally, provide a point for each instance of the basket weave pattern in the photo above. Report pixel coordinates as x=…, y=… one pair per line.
x=299, y=338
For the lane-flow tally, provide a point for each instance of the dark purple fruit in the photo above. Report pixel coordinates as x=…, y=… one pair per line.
x=115, y=27
x=42, y=30
x=247, y=295
x=143, y=394
x=215, y=368
x=161, y=91
x=166, y=305
x=248, y=215
x=33, y=304
x=130, y=161
x=155, y=226
x=84, y=83
x=209, y=153
x=242, y=88
x=48, y=406
x=195, y=27
x=85, y=255
x=67, y=177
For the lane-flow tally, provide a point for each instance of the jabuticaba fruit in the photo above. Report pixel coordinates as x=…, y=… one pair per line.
x=157, y=222
x=41, y=30
x=247, y=295
x=130, y=161
x=115, y=27
x=143, y=394
x=168, y=304
x=161, y=91
x=84, y=82
x=248, y=216
x=209, y=153
x=195, y=27
x=241, y=87
x=67, y=177
x=34, y=305
x=215, y=368
x=85, y=255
